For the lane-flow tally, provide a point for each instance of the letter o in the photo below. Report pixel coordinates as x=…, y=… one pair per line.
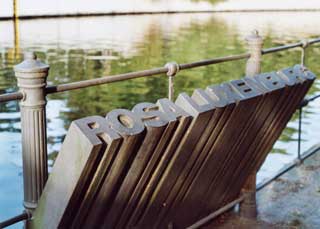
x=124, y=122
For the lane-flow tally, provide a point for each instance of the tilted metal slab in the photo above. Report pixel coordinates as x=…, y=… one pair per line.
x=77, y=161
x=169, y=163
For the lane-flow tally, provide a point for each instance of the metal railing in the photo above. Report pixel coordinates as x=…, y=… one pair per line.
x=31, y=75
x=152, y=72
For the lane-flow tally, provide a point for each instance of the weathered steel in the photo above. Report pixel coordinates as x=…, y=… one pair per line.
x=132, y=131
x=198, y=192
x=150, y=193
x=31, y=75
x=155, y=122
x=199, y=153
x=255, y=43
x=87, y=141
x=151, y=72
x=167, y=158
x=161, y=156
x=106, y=160
x=273, y=126
x=24, y=216
x=11, y=97
x=211, y=216
x=223, y=108
x=303, y=79
x=214, y=61
x=281, y=48
x=314, y=41
x=248, y=207
x=201, y=108
x=138, y=74
x=105, y=80
x=160, y=172
x=269, y=83
x=214, y=127
x=304, y=156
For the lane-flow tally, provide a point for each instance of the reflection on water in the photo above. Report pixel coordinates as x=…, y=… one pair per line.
x=85, y=48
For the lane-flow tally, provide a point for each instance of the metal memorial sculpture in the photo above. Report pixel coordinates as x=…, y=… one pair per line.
x=169, y=163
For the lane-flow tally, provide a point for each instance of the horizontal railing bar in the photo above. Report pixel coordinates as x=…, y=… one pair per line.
x=103, y=14
x=151, y=72
x=289, y=46
x=305, y=102
x=259, y=187
x=205, y=220
x=313, y=41
x=11, y=96
x=304, y=156
x=133, y=75
x=281, y=48
x=156, y=71
x=104, y=80
x=16, y=219
x=313, y=98
x=214, y=61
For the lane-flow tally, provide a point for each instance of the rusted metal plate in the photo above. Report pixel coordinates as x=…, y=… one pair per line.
x=156, y=122
x=169, y=163
x=132, y=131
x=157, y=171
x=247, y=102
x=240, y=152
x=80, y=153
x=224, y=106
x=179, y=121
x=274, y=124
x=201, y=110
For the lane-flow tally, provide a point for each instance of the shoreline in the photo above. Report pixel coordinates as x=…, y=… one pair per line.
x=102, y=14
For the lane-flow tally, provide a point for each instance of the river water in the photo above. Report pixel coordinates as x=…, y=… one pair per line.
x=85, y=48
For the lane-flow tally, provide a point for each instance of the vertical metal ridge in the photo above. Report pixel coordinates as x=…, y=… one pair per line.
x=146, y=174
x=141, y=207
x=35, y=153
x=178, y=199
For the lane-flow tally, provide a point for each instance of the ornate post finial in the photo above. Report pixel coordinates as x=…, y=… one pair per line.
x=30, y=56
x=255, y=32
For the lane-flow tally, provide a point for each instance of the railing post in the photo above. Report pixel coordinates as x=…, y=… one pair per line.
x=305, y=44
x=31, y=75
x=255, y=43
x=299, y=135
x=248, y=207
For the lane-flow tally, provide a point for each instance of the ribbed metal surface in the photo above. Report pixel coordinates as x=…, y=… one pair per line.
x=175, y=170
x=34, y=154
